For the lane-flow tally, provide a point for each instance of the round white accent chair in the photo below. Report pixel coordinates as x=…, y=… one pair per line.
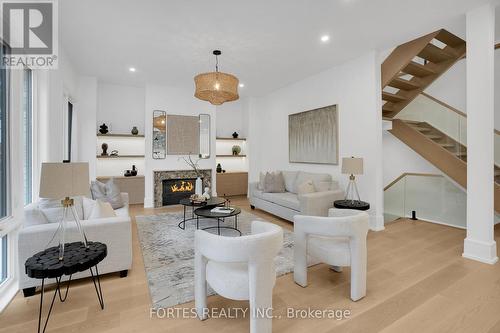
x=239, y=268
x=338, y=240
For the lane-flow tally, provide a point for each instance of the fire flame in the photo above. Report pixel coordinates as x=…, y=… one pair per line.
x=185, y=187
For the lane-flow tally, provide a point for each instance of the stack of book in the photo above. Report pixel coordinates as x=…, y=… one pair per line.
x=222, y=210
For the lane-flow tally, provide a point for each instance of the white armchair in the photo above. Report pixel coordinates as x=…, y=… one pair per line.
x=239, y=268
x=338, y=240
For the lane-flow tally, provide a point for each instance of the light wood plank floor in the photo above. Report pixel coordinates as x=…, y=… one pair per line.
x=417, y=282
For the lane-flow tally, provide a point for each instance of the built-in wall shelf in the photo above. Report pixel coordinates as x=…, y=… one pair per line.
x=232, y=139
x=123, y=135
x=231, y=156
x=118, y=177
x=120, y=156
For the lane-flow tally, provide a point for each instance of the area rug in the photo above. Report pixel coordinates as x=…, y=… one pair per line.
x=168, y=253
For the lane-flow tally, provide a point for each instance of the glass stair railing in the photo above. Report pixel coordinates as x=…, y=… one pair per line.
x=433, y=198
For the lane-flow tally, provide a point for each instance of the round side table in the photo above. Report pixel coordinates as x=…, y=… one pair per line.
x=351, y=204
x=77, y=258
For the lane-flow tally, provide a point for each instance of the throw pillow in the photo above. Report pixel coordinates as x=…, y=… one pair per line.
x=274, y=183
x=108, y=192
x=88, y=207
x=323, y=186
x=260, y=185
x=290, y=177
x=102, y=210
x=306, y=187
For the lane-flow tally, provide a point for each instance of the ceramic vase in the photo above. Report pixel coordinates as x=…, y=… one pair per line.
x=198, y=188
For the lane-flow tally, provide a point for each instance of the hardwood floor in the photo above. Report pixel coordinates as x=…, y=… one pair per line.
x=417, y=281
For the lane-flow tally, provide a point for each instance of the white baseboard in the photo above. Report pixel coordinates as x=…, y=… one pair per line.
x=8, y=290
x=485, y=252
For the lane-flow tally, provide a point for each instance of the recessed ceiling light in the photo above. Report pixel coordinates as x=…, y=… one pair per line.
x=132, y=69
x=325, y=38
x=241, y=85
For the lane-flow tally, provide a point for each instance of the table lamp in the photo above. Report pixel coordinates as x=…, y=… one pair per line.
x=63, y=181
x=352, y=166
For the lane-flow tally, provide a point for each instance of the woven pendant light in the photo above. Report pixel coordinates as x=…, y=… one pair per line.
x=216, y=87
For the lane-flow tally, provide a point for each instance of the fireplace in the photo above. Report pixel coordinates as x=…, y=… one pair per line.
x=165, y=194
x=176, y=189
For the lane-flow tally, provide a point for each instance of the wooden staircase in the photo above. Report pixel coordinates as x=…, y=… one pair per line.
x=442, y=151
x=413, y=66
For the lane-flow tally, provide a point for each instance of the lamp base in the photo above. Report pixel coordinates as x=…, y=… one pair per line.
x=69, y=206
x=352, y=189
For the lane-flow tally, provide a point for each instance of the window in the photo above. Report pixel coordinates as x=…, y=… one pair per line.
x=28, y=136
x=4, y=158
x=4, y=166
x=3, y=262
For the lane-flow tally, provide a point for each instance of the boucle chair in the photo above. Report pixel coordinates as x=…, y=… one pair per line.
x=338, y=240
x=239, y=268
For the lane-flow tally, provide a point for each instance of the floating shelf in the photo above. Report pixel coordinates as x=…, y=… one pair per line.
x=122, y=135
x=232, y=139
x=119, y=177
x=120, y=156
x=230, y=155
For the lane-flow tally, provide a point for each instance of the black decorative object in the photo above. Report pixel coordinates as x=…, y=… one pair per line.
x=104, y=147
x=133, y=171
x=103, y=129
x=128, y=173
x=351, y=204
x=223, y=171
x=78, y=258
x=114, y=153
x=235, y=135
x=134, y=131
x=219, y=168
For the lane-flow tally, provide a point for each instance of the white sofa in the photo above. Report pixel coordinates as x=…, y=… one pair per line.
x=288, y=204
x=115, y=232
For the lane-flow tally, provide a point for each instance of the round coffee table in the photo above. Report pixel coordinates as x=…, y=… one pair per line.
x=207, y=213
x=77, y=258
x=210, y=203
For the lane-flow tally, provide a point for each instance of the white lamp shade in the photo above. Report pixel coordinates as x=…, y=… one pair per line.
x=352, y=165
x=60, y=180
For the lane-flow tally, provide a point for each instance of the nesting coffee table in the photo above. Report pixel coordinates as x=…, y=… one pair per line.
x=210, y=203
x=206, y=212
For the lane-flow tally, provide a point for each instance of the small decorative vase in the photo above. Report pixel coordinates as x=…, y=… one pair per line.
x=219, y=168
x=134, y=131
x=235, y=135
x=198, y=188
x=127, y=173
x=236, y=150
x=103, y=129
x=206, y=194
x=133, y=171
x=104, y=147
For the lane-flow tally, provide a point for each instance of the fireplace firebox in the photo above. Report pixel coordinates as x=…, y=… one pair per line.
x=175, y=190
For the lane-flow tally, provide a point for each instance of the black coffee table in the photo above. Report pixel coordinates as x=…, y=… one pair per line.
x=77, y=258
x=206, y=212
x=210, y=203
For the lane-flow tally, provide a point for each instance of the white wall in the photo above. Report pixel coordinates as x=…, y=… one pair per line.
x=86, y=122
x=120, y=107
x=179, y=102
x=450, y=87
x=399, y=159
x=355, y=88
x=231, y=118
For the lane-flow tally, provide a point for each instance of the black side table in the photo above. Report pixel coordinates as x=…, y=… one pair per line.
x=77, y=258
x=351, y=204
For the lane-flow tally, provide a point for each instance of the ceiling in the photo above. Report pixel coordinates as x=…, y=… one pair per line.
x=266, y=43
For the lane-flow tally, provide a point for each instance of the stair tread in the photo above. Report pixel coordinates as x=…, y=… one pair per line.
x=403, y=84
x=449, y=39
x=387, y=96
x=434, y=137
x=434, y=54
x=416, y=69
x=447, y=145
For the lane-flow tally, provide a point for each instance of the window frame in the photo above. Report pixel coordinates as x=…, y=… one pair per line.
x=28, y=137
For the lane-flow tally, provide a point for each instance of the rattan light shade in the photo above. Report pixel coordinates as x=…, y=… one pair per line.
x=216, y=87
